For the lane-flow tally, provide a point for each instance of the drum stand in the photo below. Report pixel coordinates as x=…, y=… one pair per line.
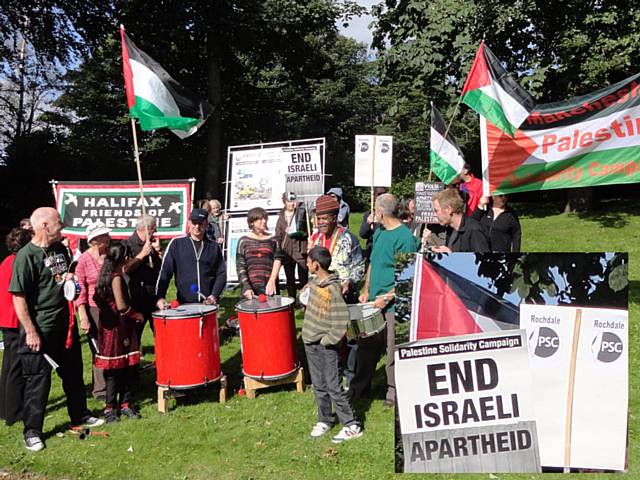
x=165, y=393
x=251, y=384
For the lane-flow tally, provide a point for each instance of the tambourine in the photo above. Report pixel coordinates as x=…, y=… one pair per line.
x=71, y=290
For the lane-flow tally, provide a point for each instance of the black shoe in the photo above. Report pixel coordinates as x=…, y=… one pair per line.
x=111, y=416
x=130, y=413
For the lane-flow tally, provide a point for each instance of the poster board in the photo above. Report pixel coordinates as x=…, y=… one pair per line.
x=424, y=192
x=465, y=404
x=593, y=420
x=258, y=174
x=374, y=160
x=118, y=206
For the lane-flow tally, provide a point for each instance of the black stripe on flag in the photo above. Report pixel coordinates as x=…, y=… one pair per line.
x=508, y=84
x=439, y=125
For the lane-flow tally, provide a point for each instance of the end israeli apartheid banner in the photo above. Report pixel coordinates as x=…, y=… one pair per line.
x=118, y=206
x=587, y=141
x=465, y=404
x=579, y=361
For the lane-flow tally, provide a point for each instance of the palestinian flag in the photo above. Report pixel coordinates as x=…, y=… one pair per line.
x=447, y=304
x=155, y=98
x=490, y=91
x=445, y=156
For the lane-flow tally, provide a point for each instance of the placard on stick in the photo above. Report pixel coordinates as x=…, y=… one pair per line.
x=373, y=163
x=424, y=192
x=465, y=404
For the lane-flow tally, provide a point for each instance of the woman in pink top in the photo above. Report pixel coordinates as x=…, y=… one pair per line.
x=11, y=381
x=87, y=272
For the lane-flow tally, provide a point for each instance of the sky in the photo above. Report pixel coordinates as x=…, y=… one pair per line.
x=359, y=26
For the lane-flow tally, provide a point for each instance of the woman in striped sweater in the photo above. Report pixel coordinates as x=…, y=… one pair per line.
x=258, y=257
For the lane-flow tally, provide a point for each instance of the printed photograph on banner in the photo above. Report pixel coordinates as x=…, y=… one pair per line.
x=118, y=205
x=465, y=404
x=373, y=160
x=257, y=179
x=236, y=228
x=463, y=293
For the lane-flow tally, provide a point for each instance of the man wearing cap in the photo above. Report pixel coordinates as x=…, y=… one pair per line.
x=48, y=335
x=197, y=263
x=346, y=256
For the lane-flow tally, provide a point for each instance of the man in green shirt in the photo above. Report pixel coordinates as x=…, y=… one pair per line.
x=391, y=238
x=47, y=337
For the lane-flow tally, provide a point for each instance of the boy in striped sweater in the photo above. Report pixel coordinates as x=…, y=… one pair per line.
x=325, y=323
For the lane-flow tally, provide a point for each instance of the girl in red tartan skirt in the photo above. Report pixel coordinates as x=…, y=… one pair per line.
x=118, y=347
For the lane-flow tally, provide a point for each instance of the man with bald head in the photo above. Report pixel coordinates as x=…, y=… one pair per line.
x=47, y=334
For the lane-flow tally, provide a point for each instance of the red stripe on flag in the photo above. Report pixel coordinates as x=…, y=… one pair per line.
x=479, y=74
x=126, y=68
x=440, y=312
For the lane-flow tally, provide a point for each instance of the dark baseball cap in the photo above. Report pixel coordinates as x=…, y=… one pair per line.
x=198, y=215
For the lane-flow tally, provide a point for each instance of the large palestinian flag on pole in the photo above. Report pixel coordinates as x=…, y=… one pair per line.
x=587, y=141
x=155, y=98
x=447, y=304
x=445, y=155
x=491, y=92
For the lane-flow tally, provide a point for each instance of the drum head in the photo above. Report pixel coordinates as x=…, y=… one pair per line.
x=273, y=304
x=362, y=310
x=188, y=310
x=71, y=290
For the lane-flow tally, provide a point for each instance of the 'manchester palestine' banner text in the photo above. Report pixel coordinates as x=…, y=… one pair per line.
x=587, y=141
x=118, y=205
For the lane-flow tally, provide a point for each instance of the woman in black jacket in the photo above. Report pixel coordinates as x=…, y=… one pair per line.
x=500, y=223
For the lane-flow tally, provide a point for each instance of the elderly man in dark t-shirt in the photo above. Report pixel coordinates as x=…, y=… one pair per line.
x=48, y=338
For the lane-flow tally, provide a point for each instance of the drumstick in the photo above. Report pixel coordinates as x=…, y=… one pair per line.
x=51, y=361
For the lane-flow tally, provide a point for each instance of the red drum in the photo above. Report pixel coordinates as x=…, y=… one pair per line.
x=268, y=338
x=187, y=346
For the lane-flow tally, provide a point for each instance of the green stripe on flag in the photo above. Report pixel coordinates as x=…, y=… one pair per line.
x=489, y=108
x=151, y=117
x=442, y=168
x=606, y=167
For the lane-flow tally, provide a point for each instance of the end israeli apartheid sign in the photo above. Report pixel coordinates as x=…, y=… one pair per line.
x=424, y=192
x=465, y=404
x=581, y=423
x=118, y=205
x=303, y=175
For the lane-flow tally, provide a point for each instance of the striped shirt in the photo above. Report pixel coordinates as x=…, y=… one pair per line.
x=327, y=316
x=254, y=262
x=87, y=271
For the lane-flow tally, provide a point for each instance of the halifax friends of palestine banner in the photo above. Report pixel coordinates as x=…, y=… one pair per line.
x=118, y=206
x=587, y=141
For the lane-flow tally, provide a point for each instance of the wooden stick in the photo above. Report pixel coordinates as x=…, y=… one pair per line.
x=373, y=169
x=572, y=379
x=306, y=213
x=137, y=156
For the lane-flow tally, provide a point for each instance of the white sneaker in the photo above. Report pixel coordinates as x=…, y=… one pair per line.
x=348, y=433
x=319, y=429
x=34, y=444
x=90, y=422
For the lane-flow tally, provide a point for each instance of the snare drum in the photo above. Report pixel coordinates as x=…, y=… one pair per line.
x=365, y=320
x=71, y=289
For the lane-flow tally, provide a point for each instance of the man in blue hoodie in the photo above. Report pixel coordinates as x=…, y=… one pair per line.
x=197, y=263
x=343, y=213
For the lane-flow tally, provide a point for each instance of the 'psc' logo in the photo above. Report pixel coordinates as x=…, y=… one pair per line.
x=607, y=347
x=544, y=342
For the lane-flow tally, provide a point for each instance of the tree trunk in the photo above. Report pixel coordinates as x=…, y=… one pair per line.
x=215, y=163
x=579, y=200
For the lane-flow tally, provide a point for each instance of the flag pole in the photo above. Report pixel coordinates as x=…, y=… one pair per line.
x=137, y=159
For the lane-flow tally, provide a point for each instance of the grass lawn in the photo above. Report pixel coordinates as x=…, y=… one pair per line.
x=268, y=437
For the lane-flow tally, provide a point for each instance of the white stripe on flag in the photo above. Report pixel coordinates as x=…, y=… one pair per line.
x=484, y=154
x=147, y=85
x=446, y=151
x=513, y=111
